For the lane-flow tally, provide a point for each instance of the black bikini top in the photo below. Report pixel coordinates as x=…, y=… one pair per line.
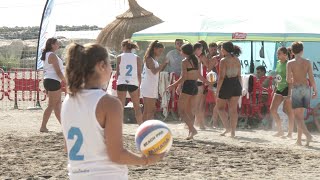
x=193, y=68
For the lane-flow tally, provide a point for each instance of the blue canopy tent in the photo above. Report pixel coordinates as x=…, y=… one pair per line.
x=250, y=33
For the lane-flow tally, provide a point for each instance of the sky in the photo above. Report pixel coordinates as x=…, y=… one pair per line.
x=102, y=12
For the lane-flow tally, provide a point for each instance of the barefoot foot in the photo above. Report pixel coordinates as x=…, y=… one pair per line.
x=225, y=132
x=309, y=139
x=233, y=134
x=278, y=134
x=298, y=143
x=44, y=130
x=289, y=135
x=191, y=134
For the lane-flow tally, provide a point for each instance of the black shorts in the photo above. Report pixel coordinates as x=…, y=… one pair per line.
x=205, y=88
x=190, y=87
x=125, y=87
x=51, y=85
x=283, y=92
x=230, y=87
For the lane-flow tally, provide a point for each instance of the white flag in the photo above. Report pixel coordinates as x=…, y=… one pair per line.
x=47, y=30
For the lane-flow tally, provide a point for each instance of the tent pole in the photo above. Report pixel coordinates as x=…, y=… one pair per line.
x=251, y=62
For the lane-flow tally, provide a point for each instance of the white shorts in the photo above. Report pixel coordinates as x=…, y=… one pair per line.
x=149, y=92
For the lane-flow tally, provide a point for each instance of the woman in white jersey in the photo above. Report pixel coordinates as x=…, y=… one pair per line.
x=129, y=67
x=92, y=120
x=53, y=75
x=150, y=79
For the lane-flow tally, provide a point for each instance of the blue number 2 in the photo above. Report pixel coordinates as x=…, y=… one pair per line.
x=129, y=68
x=73, y=154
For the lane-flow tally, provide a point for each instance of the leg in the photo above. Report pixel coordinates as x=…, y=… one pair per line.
x=299, y=116
x=287, y=105
x=215, y=116
x=276, y=101
x=148, y=108
x=184, y=105
x=199, y=107
x=221, y=107
x=233, y=111
x=54, y=99
x=135, y=97
x=122, y=96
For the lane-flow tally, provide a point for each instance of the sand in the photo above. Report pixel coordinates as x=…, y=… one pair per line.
x=254, y=154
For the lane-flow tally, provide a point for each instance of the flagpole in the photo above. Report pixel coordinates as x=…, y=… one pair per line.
x=37, y=102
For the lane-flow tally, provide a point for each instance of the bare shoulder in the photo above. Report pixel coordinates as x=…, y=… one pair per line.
x=237, y=60
x=291, y=61
x=306, y=61
x=119, y=58
x=52, y=56
x=110, y=102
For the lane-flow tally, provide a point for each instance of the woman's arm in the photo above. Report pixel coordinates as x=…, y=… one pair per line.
x=213, y=62
x=205, y=61
x=312, y=81
x=139, y=69
x=113, y=117
x=150, y=65
x=239, y=73
x=182, y=76
x=222, y=73
x=118, y=68
x=289, y=78
x=55, y=63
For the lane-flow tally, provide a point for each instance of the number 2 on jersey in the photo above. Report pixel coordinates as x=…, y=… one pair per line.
x=129, y=68
x=73, y=154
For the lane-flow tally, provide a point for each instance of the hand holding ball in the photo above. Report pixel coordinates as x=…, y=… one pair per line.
x=153, y=137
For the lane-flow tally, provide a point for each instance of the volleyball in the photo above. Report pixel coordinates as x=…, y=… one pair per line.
x=153, y=137
x=212, y=77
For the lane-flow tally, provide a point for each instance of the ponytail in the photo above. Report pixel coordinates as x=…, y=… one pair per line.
x=75, y=68
x=129, y=44
x=194, y=60
x=236, y=51
x=81, y=62
x=188, y=50
x=232, y=49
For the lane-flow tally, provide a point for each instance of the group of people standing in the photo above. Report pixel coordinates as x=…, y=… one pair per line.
x=192, y=84
x=294, y=81
x=92, y=120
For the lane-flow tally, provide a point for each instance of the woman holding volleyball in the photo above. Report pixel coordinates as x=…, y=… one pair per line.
x=92, y=120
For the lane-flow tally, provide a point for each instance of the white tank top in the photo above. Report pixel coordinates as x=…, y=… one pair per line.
x=87, y=152
x=48, y=69
x=149, y=82
x=128, y=70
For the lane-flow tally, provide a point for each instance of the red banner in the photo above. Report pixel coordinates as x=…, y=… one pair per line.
x=239, y=35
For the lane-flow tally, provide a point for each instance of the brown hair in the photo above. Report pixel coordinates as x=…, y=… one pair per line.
x=129, y=44
x=283, y=49
x=48, y=47
x=232, y=49
x=297, y=47
x=81, y=62
x=188, y=50
x=150, y=50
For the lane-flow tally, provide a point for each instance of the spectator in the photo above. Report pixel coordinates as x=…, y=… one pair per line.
x=175, y=58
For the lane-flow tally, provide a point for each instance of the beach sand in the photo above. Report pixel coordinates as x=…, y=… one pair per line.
x=253, y=154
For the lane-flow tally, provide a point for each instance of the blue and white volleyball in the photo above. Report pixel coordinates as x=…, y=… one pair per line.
x=153, y=137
